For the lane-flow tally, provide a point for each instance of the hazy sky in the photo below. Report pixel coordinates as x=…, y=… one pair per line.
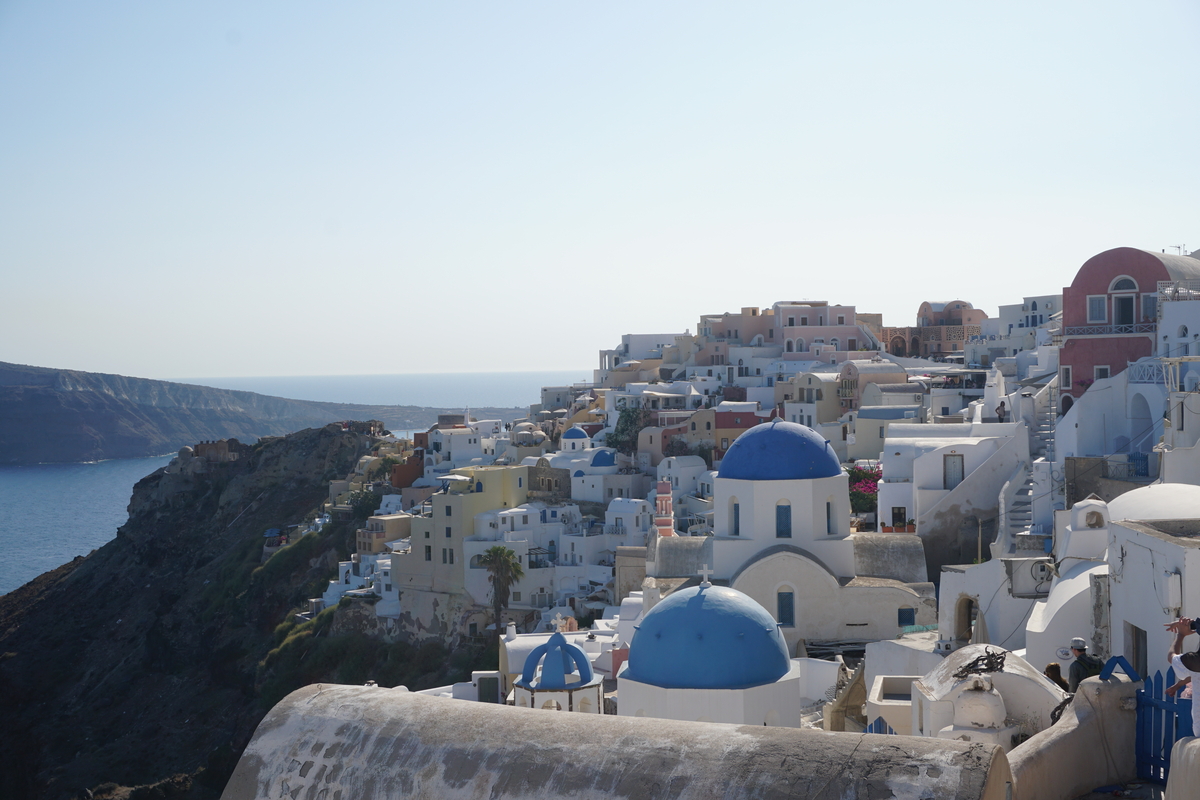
x=295, y=188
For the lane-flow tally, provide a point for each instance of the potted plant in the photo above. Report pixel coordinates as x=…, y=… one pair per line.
x=911, y=526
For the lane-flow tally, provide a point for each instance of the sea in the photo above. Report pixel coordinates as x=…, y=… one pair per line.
x=51, y=513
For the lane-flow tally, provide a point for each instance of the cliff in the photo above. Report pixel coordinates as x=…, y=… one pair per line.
x=150, y=662
x=57, y=415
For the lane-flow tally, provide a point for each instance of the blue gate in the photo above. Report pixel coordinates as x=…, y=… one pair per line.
x=1161, y=721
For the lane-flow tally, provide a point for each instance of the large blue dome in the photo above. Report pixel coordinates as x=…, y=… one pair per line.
x=707, y=637
x=779, y=451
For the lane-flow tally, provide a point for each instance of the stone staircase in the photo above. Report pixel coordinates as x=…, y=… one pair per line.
x=1042, y=437
x=1020, y=510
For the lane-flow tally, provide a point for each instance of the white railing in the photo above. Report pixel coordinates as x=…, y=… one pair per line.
x=1110, y=330
x=1188, y=289
x=1152, y=372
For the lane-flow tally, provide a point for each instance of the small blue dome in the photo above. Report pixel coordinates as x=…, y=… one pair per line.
x=604, y=458
x=707, y=637
x=779, y=451
x=576, y=433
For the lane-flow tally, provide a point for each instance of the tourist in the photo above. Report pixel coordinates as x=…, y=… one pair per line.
x=1054, y=673
x=1084, y=665
x=1187, y=665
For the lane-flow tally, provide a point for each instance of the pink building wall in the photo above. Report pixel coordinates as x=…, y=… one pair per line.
x=1113, y=346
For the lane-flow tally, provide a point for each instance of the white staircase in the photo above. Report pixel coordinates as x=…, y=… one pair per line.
x=1020, y=510
x=1042, y=437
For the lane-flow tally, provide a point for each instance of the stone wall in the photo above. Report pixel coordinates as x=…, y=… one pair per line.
x=366, y=742
x=1092, y=745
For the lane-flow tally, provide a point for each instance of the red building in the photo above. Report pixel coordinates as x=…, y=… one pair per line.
x=1110, y=314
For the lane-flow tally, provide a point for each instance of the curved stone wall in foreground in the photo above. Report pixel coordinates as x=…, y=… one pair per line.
x=328, y=742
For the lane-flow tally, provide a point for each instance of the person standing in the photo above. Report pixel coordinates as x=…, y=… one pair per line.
x=1084, y=665
x=1001, y=411
x=1187, y=665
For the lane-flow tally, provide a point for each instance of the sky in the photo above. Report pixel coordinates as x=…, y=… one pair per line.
x=303, y=188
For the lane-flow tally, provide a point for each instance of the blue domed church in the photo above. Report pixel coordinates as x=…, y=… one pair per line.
x=712, y=654
x=781, y=535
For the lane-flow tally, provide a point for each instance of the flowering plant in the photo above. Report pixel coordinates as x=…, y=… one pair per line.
x=864, y=488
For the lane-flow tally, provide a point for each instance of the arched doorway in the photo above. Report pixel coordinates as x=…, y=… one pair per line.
x=964, y=619
x=897, y=346
x=1141, y=428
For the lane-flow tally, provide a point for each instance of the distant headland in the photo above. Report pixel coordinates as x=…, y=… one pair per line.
x=60, y=415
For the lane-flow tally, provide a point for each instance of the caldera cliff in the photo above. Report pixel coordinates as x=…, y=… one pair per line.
x=149, y=662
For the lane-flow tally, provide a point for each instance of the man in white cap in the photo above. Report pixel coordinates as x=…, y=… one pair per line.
x=1187, y=665
x=1083, y=666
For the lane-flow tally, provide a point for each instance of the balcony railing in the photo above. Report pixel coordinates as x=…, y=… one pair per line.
x=1110, y=330
x=1151, y=372
x=621, y=530
x=1188, y=289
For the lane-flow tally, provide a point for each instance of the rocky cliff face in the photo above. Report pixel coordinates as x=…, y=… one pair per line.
x=145, y=660
x=51, y=415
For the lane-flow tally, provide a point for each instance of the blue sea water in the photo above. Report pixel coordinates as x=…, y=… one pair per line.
x=50, y=513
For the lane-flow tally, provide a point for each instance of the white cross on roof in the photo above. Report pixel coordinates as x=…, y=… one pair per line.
x=705, y=573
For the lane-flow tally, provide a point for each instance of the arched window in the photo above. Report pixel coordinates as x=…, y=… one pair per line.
x=834, y=343
x=785, y=607
x=783, y=520
x=1123, y=284
x=479, y=486
x=800, y=345
x=788, y=346
x=1183, y=331
x=1033, y=306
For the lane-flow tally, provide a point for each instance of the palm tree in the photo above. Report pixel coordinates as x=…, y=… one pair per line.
x=505, y=571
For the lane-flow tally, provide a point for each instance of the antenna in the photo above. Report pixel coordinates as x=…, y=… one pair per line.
x=1181, y=249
